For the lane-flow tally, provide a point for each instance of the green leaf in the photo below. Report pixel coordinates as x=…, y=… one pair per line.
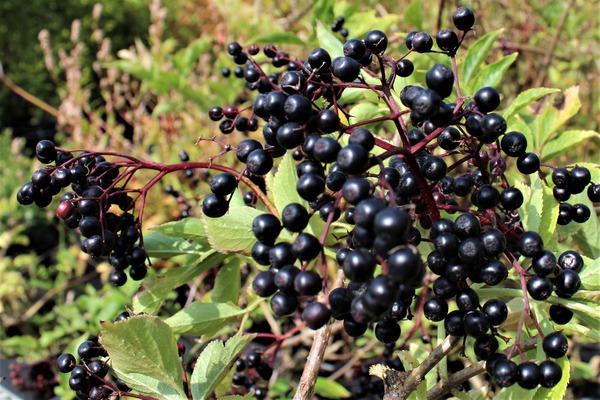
x=365, y=111
x=558, y=391
x=186, y=228
x=330, y=389
x=277, y=38
x=477, y=54
x=156, y=287
x=413, y=14
x=552, y=119
x=590, y=275
x=201, y=318
x=232, y=233
x=328, y=41
x=565, y=141
x=284, y=184
x=227, y=283
x=524, y=99
x=214, y=363
x=491, y=75
x=143, y=353
x=248, y=396
x=163, y=246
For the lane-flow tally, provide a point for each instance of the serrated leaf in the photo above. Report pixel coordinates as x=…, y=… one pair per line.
x=232, y=233
x=277, y=38
x=552, y=119
x=565, y=141
x=558, y=391
x=214, y=363
x=143, y=353
x=413, y=14
x=186, y=228
x=524, y=99
x=590, y=276
x=227, y=283
x=248, y=396
x=328, y=41
x=491, y=75
x=477, y=54
x=366, y=111
x=163, y=246
x=200, y=318
x=330, y=389
x=156, y=287
x=284, y=184
x=549, y=217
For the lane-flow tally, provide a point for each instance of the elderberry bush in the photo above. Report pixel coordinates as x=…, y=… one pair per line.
x=413, y=222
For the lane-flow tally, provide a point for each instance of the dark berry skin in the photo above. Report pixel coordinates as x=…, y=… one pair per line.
x=354, y=328
x=359, y=265
x=494, y=242
x=214, y=206
x=529, y=375
x=571, y=259
x=476, y=323
x=560, y=177
x=496, y=311
x=567, y=282
x=485, y=346
x=593, y=193
x=580, y=213
x=551, y=373
x=355, y=190
x=355, y=48
x=295, y=217
x=306, y=247
x=511, y=198
x=447, y=40
x=514, y=144
x=487, y=99
x=449, y=139
x=555, y=345
x=320, y=59
x=310, y=186
x=376, y=41
x=544, y=264
x=528, y=163
x=316, y=315
x=530, y=244
x=266, y=228
x=404, y=67
x=387, y=331
x=66, y=362
x=339, y=301
x=560, y=315
x=463, y=18
x=578, y=179
x=353, y=159
x=308, y=283
x=259, y=162
x=326, y=149
x=283, y=304
x=539, y=287
x=435, y=309
x=453, y=323
x=422, y=42
x=345, y=68
x=506, y=373
x=264, y=284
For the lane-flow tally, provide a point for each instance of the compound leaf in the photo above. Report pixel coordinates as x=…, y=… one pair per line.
x=524, y=99
x=477, y=54
x=143, y=353
x=186, y=228
x=232, y=233
x=214, y=363
x=330, y=389
x=156, y=287
x=162, y=246
x=201, y=318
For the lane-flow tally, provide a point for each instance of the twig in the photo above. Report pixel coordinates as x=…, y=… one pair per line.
x=461, y=376
x=306, y=385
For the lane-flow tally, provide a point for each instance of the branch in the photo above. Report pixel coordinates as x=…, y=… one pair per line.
x=312, y=367
x=461, y=376
x=399, y=385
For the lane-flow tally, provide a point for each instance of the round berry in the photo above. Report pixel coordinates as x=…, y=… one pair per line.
x=514, y=144
x=66, y=362
x=506, y=373
x=529, y=375
x=435, y=309
x=284, y=304
x=555, y=345
x=264, y=284
x=567, y=282
x=387, y=331
x=571, y=259
x=539, y=287
x=528, y=163
x=530, y=244
x=551, y=374
x=463, y=18
x=560, y=315
x=496, y=310
x=376, y=41
x=316, y=315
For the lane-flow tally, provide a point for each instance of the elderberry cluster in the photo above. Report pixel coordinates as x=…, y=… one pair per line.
x=87, y=378
x=452, y=159
x=95, y=205
x=249, y=371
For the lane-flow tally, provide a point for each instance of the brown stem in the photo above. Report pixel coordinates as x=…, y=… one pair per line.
x=454, y=380
x=312, y=367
